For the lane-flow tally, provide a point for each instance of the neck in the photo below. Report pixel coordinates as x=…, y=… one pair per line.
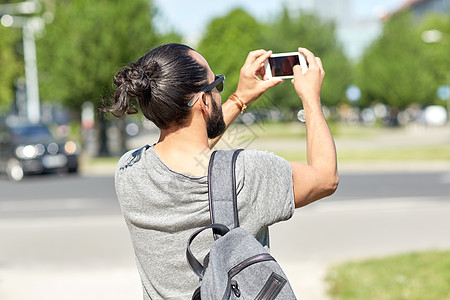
x=186, y=139
x=185, y=150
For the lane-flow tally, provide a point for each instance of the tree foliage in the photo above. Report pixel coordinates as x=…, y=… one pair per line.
x=88, y=42
x=438, y=51
x=229, y=39
x=287, y=33
x=227, y=42
x=396, y=69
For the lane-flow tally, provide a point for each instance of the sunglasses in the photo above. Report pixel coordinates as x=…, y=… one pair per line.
x=218, y=83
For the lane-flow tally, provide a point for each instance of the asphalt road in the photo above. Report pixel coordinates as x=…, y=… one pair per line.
x=62, y=237
x=52, y=195
x=60, y=196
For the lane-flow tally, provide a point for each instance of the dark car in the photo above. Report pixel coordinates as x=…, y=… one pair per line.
x=31, y=148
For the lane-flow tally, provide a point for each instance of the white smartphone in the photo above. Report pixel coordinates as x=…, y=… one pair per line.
x=281, y=65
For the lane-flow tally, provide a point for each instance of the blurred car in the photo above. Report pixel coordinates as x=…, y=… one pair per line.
x=31, y=148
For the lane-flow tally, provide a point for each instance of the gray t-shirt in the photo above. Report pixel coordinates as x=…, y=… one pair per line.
x=162, y=208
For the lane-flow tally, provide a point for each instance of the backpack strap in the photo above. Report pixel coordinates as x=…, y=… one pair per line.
x=222, y=188
x=195, y=265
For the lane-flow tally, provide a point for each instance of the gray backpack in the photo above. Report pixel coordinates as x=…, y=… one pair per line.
x=237, y=266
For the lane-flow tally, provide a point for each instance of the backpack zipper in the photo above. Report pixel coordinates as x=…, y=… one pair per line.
x=241, y=266
x=272, y=287
x=248, y=262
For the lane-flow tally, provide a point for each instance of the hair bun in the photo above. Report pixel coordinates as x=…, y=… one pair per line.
x=134, y=80
x=138, y=81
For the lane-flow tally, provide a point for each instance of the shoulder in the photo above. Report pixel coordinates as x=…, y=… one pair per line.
x=130, y=158
x=262, y=166
x=265, y=189
x=261, y=159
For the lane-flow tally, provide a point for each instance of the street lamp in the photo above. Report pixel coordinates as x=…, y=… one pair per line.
x=30, y=26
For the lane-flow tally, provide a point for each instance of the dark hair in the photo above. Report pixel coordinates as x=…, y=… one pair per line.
x=162, y=82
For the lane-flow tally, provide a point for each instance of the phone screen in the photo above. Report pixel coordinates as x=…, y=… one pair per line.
x=283, y=65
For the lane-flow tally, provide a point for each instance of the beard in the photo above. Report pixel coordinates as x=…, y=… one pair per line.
x=216, y=125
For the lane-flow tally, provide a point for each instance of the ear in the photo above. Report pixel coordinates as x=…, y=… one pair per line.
x=203, y=103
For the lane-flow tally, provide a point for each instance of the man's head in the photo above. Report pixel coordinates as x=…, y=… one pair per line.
x=163, y=82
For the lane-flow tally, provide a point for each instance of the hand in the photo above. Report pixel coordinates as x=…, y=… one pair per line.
x=309, y=85
x=250, y=87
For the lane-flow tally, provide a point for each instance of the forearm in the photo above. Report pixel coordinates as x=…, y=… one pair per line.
x=318, y=178
x=320, y=147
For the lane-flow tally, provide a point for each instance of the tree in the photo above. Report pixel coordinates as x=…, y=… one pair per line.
x=437, y=50
x=227, y=42
x=287, y=33
x=88, y=42
x=229, y=39
x=395, y=69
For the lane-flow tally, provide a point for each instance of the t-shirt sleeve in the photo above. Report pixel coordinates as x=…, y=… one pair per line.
x=265, y=189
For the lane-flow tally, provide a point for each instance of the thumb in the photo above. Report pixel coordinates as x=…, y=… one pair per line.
x=298, y=70
x=272, y=82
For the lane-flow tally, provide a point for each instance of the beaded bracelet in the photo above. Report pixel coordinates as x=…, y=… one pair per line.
x=239, y=103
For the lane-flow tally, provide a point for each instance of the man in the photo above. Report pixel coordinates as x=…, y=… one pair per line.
x=162, y=189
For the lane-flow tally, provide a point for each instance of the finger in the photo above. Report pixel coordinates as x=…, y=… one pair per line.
x=260, y=72
x=297, y=70
x=253, y=55
x=319, y=63
x=259, y=62
x=271, y=82
x=310, y=58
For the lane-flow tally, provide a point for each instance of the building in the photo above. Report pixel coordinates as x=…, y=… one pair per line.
x=421, y=7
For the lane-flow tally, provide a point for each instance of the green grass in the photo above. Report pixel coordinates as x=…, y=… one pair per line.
x=270, y=130
x=415, y=276
x=435, y=153
x=101, y=160
x=272, y=133
x=98, y=162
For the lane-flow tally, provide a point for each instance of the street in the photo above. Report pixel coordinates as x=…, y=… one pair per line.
x=51, y=195
x=63, y=237
x=60, y=196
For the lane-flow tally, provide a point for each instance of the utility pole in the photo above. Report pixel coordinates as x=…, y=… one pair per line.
x=23, y=15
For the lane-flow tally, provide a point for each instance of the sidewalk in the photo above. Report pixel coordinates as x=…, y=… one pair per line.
x=53, y=265
x=68, y=258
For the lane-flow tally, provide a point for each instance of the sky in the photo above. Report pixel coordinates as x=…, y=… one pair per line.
x=190, y=17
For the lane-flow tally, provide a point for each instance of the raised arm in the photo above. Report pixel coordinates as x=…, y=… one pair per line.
x=319, y=177
x=252, y=84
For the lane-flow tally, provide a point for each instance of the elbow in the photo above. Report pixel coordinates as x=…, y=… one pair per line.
x=331, y=185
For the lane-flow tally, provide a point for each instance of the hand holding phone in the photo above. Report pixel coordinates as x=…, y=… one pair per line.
x=280, y=65
x=308, y=86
